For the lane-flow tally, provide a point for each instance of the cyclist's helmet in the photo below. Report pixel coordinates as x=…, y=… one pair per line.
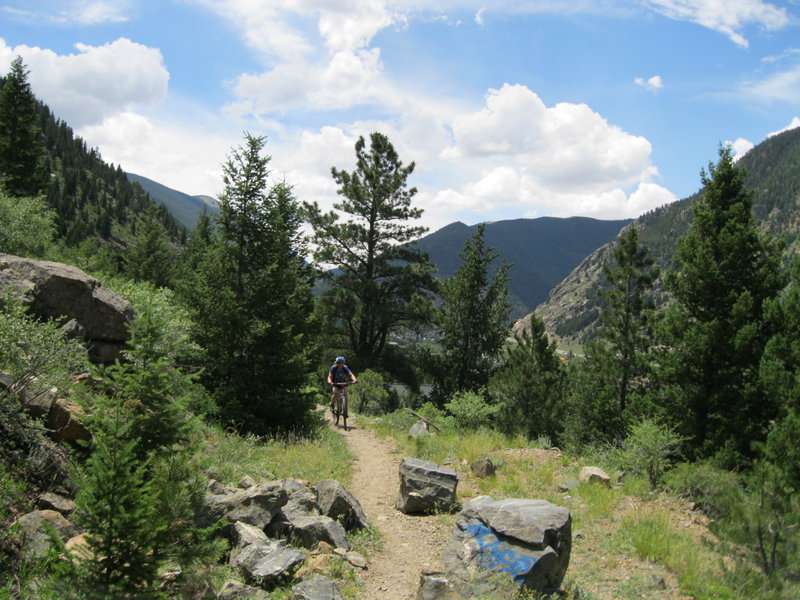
x=340, y=359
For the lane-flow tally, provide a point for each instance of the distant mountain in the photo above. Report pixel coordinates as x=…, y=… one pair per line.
x=185, y=208
x=542, y=251
x=772, y=173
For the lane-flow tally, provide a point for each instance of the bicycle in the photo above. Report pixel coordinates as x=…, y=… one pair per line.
x=339, y=402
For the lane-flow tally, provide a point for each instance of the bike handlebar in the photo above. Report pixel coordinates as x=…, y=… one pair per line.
x=344, y=383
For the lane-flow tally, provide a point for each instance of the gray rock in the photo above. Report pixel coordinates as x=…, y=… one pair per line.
x=215, y=488
x=418, y=429
x=310, y=531
x=51, y=501
x=33, y=530
x=255, y=506
x=527, y=542
x=336, y=502
x=246, y=482
x=236, y=590
x=594, y=475
x=483, y=468
x=426, y=487
x=317, y=588
x=267, y=564
x=65, y=293
x=437, y=586
x=568, y=485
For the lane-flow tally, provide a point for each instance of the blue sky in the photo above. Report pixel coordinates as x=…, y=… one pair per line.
x=509, y=108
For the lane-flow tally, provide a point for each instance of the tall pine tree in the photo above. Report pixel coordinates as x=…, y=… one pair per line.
x=382, y=280
x=725, y=271
x=21, y=149
x=251, y=296
x=473, y=318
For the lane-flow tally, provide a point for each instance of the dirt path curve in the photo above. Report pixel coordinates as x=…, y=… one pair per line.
x=411, y=544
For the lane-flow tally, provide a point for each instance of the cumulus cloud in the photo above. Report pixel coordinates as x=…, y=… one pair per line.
x=166, y=151
x=565, y=159
x=729, y=17
x=95, y=82
x=651, y=83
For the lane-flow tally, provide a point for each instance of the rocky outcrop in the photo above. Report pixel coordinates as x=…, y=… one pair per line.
x=77, y=301
x=426, y=487
x=498, y=547
x=317, y=588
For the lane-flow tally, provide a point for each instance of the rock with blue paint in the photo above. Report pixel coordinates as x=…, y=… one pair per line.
x=498, y=545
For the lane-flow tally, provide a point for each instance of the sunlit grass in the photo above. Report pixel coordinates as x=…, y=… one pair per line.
x=229, y=456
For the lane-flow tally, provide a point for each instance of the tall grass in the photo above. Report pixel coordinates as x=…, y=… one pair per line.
x=228, y=456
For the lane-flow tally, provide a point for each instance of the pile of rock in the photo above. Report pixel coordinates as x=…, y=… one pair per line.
x=259, y=519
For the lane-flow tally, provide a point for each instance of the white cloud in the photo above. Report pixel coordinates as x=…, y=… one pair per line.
x=729, y=17
x=168, y=152
x=652, y=83
x=740, y=147
x=793, y=125
x=781, y=87
x=97, y=81
x=565, y=159
x=70, y=12
x=479, y=16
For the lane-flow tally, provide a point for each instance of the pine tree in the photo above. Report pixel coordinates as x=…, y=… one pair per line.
x=529, y=385
x=382, y=281
x=473, y=318
x=149, y=257
x=251, y=297
x=21, y=151
x=724, y=273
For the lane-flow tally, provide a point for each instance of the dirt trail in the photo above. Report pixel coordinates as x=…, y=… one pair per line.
x=411, y=544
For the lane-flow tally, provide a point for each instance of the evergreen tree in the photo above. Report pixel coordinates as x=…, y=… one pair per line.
x=474, y=319
x=118, y=509
x=21, y=151
x=626, y=322
x=381, y=284
x=529, y=385
x=715, y=331
x=780, y=378
x=251, y=297
x=149, y=257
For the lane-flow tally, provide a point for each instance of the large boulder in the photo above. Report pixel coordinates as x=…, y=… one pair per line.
x=255, y=506
x=336, y=502
x=426, y=487
x=497, y=545
x=71, y=297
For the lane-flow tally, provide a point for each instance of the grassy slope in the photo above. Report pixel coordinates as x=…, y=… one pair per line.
x=628, y=542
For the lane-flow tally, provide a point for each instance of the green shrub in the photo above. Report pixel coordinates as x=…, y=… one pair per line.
x=707, y=485
x=27, y=225
x=648, y=450
x=370, y=395
x=471, y=411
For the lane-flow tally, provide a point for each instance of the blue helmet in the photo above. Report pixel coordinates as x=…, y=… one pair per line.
x=340, y=359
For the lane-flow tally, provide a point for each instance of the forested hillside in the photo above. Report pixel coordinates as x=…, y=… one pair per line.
x=772, y=174
x=542, y=251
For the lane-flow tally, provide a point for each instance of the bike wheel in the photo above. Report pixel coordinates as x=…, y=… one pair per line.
x=344, y=410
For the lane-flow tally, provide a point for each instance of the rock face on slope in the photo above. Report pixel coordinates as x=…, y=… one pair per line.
x=78, y=302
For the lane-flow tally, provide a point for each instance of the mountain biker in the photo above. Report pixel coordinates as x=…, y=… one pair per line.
x=339, y=373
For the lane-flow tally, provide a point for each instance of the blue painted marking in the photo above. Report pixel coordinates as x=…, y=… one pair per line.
x=492, y=557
